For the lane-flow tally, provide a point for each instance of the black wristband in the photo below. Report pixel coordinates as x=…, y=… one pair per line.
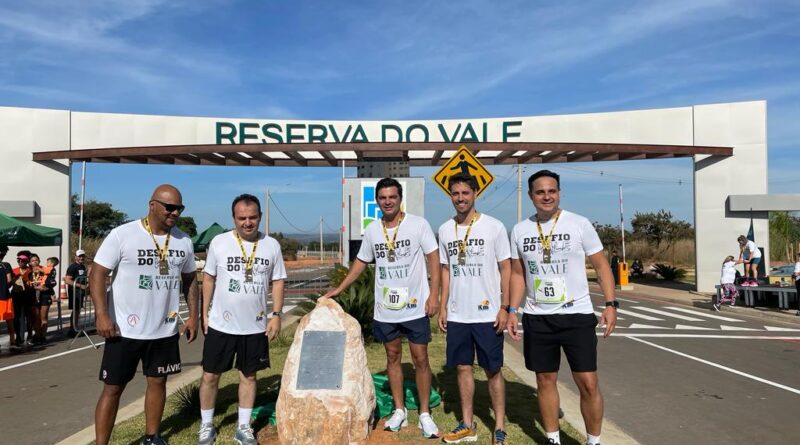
x=612, y=303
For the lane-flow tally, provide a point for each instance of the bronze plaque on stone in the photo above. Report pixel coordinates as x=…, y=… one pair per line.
x=321, y=360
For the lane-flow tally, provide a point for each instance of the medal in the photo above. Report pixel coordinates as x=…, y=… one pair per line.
x=462, y=246
x=391, y=255
x=546, y=240
x=163, y=265
x=248, y=260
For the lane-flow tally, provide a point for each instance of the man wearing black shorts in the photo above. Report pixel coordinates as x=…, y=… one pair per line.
x=474, y=252
x=549, y=252
x=401, y=244
x=153, y=261
x=239, y=268
x=75, y=279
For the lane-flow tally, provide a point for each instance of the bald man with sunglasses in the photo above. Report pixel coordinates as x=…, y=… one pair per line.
x=153, y=263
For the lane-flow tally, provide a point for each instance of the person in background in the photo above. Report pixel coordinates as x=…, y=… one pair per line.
x=76, y=281
x=22, y=294
x=44, y=285
x=6, y=304
x=750, y=255
x=615, y=266
x=727, y=279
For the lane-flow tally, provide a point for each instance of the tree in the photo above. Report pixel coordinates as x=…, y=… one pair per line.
x=784, y=231
x=289, y=247
x=187, y=225
x=98, y=217
x=659, y=227
x=610, y=235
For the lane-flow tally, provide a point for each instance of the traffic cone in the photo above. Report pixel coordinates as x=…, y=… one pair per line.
x=63, y=295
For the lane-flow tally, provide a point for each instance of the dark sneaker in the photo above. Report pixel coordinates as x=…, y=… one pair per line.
x=499, y=438
x=152, y=440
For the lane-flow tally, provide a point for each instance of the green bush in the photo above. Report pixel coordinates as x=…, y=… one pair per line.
x=669, y=273
x=358, y=299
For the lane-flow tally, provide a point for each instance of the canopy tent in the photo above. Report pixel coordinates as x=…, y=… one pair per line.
x=203, y=239
x=14, y=232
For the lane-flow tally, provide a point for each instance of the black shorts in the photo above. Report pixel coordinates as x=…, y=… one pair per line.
x=251, y=352
x=464, y=340
x=545, y=335
x=44, y=300
x=418, y=331
x=160, y=357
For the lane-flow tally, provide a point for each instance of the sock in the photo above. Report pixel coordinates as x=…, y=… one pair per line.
x=556, y=436
x=593, y=440
x=206, y=416
x=244, y=415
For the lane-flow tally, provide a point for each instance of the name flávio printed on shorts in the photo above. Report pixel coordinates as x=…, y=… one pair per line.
x=159, y=282
x=169, y=369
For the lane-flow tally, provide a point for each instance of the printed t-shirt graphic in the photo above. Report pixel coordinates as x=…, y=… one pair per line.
x=401, y=286
x=560, y=286
x=239, y=307
x=143, y=302
x=474, y=292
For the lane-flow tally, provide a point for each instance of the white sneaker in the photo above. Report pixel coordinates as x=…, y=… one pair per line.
x=428, y=426
x=207, y=434
x=398, y=420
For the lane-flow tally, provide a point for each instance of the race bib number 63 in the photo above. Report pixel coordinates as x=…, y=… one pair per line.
x=551, y=290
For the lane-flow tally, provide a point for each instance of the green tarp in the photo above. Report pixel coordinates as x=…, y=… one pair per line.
x=203, y=239
x=14, y=232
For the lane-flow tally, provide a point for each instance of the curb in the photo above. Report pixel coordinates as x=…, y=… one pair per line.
x=86, y=435
x=570, y=402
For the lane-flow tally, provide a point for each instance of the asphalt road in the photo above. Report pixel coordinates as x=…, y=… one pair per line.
x=674, y=373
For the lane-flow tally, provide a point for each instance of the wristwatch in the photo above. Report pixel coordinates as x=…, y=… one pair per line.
x=511, y=309
x=277, y=314
x=612, y=303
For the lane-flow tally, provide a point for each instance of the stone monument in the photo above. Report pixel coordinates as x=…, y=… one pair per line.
x=327, y=396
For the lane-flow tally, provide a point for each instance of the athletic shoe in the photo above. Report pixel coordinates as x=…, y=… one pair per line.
x=552, y=442
x=428, y=427
x=716, y=307
x=152, y=440
x=245, y=436
x=500, y=437
x=398, y=420
x=207, y=434
x=462, y=433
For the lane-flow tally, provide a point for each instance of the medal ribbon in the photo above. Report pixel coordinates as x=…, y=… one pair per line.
x=463, y=246
x=546, y=239
x=390, y=244
x=248, y=265
x=162, y=253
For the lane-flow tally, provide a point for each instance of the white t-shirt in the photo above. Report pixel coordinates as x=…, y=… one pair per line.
x=728, y=273
x=239, y=307
x=559, y=287
x=401, y=287
x=751, y=251
x=474, y=291
x=142, y=302
x=797, y=270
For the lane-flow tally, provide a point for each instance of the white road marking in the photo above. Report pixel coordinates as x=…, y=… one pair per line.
x=713, y=336
x=692, y=328
x=643, y=326
x=776, y=328
x=667, y=314
x=30, y=362
x=736, y=328
x=703, y=314
x=627, y=301
x=717, y=365
x=635, y=314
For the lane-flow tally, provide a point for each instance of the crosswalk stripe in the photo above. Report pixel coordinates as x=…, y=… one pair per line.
x=643, y=326
x=667, y=314
x=635, y=314
x=703, y=314
x=776, y=328
x=692, y=328
x=627, y=300
x=736, y=328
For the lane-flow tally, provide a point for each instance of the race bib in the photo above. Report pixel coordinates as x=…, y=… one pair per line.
x=550, y=290
x=395, y=298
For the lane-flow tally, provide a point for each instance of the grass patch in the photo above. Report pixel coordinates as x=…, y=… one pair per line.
x=182, y=419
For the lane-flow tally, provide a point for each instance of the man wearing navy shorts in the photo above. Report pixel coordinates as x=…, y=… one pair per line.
x=474, y=252
x=400, y=244
x=549, y=252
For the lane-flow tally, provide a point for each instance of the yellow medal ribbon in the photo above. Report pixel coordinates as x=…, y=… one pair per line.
x=545, y=240
x=390, y=244
x=248, y=265
x=162, y=253
x=463, y=246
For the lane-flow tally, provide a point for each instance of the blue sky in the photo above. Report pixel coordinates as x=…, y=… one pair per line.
x=404, y=60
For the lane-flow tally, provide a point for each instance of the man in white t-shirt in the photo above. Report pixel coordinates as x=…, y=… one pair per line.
x=549, y=252
x=153, y=262
x=750, y=255
x=400, y=244
x=474, y=252
x=240, y=265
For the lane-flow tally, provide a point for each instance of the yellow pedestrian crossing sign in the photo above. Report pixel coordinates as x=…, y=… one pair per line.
x=463, y=161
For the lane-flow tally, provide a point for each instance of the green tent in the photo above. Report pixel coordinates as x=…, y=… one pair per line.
x=14, y=232
x=203, y=239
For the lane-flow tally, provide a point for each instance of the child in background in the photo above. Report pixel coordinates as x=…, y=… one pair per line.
x=726, y=280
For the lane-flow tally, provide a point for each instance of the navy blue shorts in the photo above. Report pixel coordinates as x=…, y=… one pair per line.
x=755, y=261
x=464, y=340
x=417, y=331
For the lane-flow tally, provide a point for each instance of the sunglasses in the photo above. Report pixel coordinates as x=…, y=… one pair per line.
x=171, y=207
